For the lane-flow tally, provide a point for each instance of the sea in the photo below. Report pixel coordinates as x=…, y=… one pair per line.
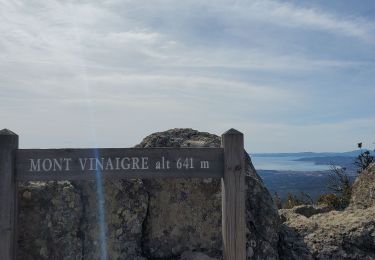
x=285, y=163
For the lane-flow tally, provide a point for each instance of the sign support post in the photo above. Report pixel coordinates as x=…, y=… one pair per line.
x=8, y=195
x=233, y=196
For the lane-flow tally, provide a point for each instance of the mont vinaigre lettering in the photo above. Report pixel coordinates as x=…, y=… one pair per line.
x=89, y=164
x=84, y=164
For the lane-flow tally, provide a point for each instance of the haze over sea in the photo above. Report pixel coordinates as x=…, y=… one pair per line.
x=306, y=172
x=285, y=163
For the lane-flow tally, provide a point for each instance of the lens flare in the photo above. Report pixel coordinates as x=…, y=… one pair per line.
x=101, y=210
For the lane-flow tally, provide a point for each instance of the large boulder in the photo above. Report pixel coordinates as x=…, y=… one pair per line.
x=185, y=214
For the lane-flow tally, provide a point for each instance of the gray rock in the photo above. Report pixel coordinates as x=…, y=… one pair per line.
x=186, y=214
x=195, y=256
x=59, y=220
x=49, y=220
x=348, y=234
x=325, y=234
x=292, y=245
x=304, y=210
x=363, y=192
x=125, y=210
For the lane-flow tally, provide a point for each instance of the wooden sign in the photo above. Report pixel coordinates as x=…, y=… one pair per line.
x=226, y=163
x=86, y=164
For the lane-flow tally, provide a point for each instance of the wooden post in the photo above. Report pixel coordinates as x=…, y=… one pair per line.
x=8, y=195
x=233, y=196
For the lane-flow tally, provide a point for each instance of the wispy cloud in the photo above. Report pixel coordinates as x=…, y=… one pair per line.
x=286, y=14
x=335, y=136
x=159, y=64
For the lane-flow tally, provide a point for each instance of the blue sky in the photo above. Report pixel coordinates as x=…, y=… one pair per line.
x=291, y=75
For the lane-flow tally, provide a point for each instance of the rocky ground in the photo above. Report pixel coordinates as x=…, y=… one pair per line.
x=321, y=233
x=181, y=219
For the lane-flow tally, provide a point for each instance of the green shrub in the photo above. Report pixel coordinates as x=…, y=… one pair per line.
x=363, y=160
x=293, y=200
x=331, y=200
x=341, y=185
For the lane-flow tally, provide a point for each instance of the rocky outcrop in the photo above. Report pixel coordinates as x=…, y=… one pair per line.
x=323, y=234
x=363, y=191
x=348, y=234
x=304, y=210
x=145, y=219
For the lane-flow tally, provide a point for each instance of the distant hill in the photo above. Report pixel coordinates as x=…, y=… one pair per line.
x=343, y=161
x=310, y=154
x=310, y=182
x=284, y=182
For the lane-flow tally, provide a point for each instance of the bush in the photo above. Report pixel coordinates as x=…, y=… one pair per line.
x=293, y=200
x=363, y=160
x=331, y=200
x=340, y=183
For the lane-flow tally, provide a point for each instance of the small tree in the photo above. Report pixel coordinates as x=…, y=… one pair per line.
x=363, y=160
x=339, y=182
x=293, y=200
x=330, y=199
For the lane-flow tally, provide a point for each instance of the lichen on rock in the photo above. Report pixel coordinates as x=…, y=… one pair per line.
x=49, y=219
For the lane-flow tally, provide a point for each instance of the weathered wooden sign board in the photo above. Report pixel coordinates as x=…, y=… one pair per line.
x=85, y=164
x=226, y=163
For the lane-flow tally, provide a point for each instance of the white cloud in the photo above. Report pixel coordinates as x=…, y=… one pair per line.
x=142, y=66
x=287, y=14
x=323, y=137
